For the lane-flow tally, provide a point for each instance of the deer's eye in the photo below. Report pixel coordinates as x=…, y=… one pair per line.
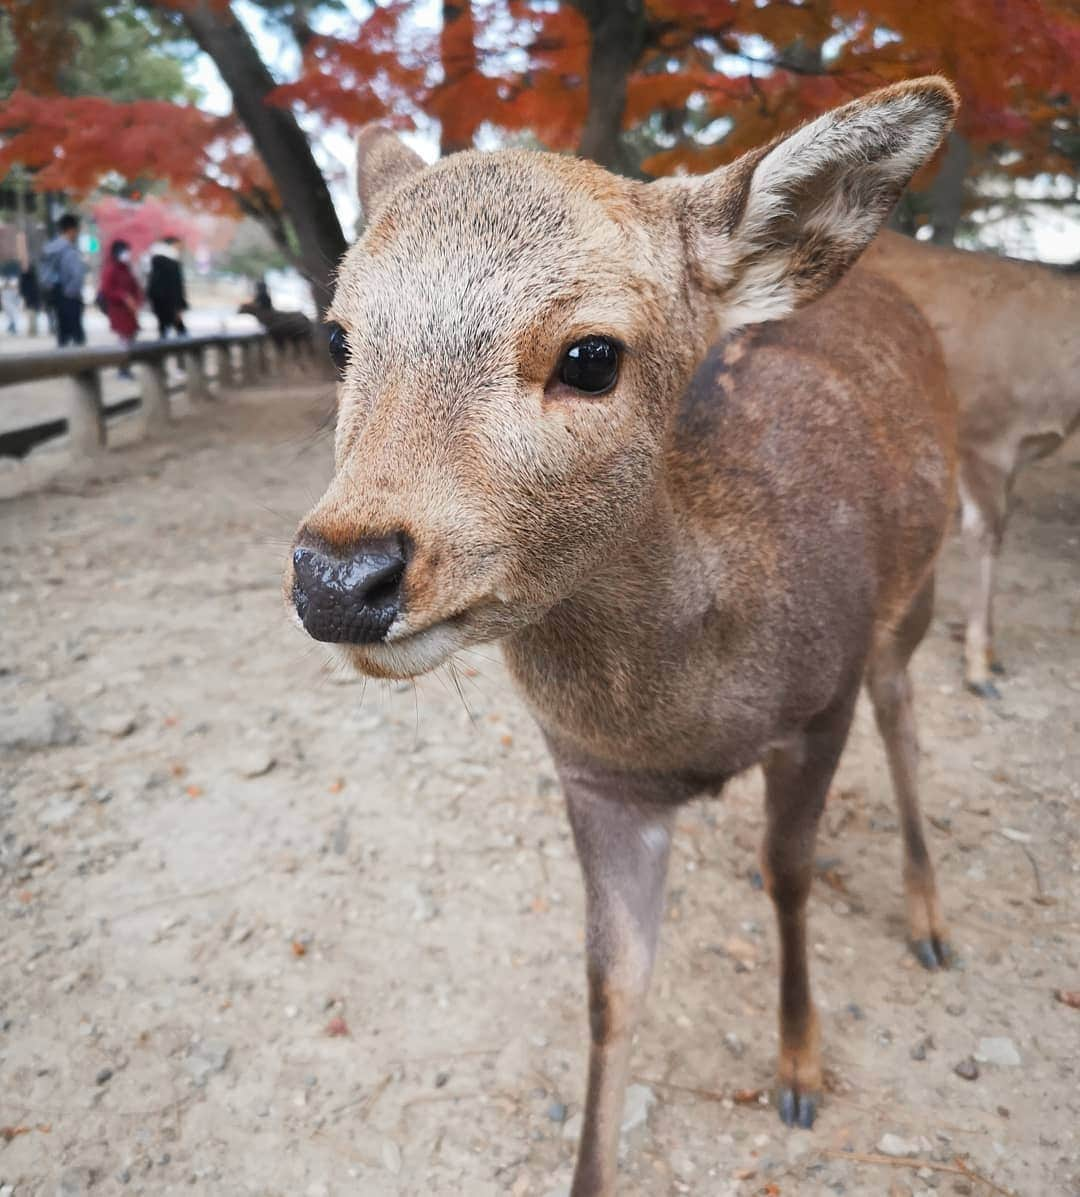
x=590, y=365
x=338, y=343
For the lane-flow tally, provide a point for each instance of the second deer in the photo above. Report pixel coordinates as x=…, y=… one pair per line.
x=1010, y=332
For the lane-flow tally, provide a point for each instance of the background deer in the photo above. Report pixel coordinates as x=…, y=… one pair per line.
x=288, y=330
x=693, y=550
x=1010, y=332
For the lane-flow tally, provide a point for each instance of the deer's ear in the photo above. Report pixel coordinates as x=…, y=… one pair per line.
x=382, y=162
x=783, y=223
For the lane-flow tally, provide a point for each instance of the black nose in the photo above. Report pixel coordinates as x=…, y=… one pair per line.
x=352, y=598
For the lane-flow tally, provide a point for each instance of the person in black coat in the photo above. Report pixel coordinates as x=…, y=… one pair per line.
x=165, y=287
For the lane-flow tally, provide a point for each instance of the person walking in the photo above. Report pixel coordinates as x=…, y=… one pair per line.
x=9, y=295
x=122, y=296
x=31, y=296
x=165, y=287
x=63, y=272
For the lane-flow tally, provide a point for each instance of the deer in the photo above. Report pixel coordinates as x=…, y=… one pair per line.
x=287, y=329
x=1011, y=341
x=573, y=419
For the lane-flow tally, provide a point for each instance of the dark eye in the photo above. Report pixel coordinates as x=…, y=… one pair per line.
x=338, y=343
x=590, y=365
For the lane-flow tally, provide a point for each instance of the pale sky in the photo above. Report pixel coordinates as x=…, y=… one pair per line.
x=1051, y=235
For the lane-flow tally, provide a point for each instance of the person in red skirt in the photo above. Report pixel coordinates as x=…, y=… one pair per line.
x=121, y=296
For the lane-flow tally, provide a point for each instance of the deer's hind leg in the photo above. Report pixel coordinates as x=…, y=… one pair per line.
x=984, y=495
x=889, y=684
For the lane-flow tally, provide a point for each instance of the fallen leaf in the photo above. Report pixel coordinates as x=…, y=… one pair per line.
x=741, y=950
x=337, y=1027
x=337, y=785
x=744, y=1174
x=506, y=740
x=746, y=1097
x=834, y=881
x=540, y=906
x=194, y=791
x=25, y=896
x=177, y=770
x=7, y=1133
x=1068, y=997
x=298, y=948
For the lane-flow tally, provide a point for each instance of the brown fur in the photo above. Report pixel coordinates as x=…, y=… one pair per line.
x=1010, y=332
x=693, y=572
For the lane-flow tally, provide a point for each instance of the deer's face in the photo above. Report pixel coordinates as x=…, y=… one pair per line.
x=513, y=333
x=505, y=371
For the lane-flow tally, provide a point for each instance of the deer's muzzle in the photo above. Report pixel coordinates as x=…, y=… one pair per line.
x=352, y=597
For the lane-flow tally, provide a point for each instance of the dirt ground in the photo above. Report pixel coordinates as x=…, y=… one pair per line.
x=267, y=930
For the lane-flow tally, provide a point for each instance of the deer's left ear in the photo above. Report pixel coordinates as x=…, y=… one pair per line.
x=780, y=225
x=383, y=161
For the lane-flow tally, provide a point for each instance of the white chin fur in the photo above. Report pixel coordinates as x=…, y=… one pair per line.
x=408, y=657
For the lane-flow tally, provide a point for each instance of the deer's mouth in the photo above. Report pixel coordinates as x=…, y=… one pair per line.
x=407, y=653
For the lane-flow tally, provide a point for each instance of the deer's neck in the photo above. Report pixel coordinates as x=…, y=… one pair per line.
x=620, y=664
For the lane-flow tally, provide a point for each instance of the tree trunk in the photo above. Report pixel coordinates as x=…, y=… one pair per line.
x=945, y=195
x=279, y=141
x=617, y=33
x=457, y=50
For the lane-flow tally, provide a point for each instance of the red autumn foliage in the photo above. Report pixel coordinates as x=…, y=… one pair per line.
x=522, y=65
x=141, y=224
x=72, y=143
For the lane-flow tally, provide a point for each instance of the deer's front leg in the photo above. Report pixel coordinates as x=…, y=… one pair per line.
x=797, y=777
x=623, y=837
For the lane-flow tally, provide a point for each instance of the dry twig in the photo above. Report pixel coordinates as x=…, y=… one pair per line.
x=958, y=1167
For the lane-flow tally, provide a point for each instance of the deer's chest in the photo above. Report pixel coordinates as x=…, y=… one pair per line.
x=698, y=705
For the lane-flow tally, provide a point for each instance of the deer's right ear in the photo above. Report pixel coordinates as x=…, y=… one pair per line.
x=382, y=162
x=780, y=225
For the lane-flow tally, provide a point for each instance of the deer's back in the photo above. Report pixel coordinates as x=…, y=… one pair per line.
x=826, y=443
x=1009, y=331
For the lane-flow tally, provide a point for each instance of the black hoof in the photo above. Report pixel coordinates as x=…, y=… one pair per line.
x=796, y=1109
x=933, y=953
x=984, y=689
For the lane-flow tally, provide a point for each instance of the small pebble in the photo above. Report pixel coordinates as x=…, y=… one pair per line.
x=734, y=1045
x=557, y=1112
x=893, y=1145
x=117, y=726
x=205, y=1058
x=391, y=1156
x=253, y=762
x=998, y=1050
x=104, y=1075
x=639, y=1100
x=967, y=1069
x=919, y=1050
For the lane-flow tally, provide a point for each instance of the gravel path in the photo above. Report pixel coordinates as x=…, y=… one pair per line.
x=268, y=930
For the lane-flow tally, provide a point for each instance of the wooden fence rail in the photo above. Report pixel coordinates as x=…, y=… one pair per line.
x=87, y=414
